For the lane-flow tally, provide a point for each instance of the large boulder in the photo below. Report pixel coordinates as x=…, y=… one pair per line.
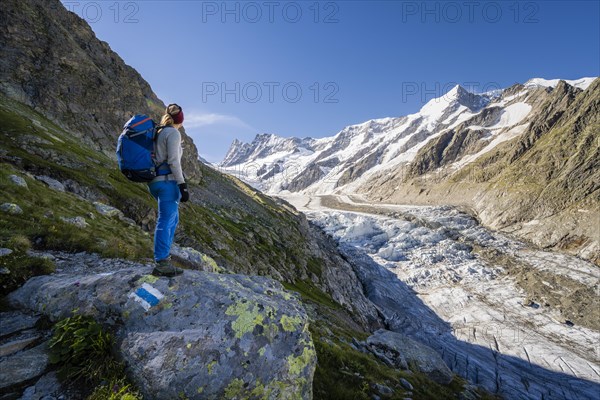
x=402, y=352
x=199, y=335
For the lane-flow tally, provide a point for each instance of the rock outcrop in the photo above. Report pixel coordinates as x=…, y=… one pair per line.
x=23, y=367
x=402, y=351
x=23, y=353
x=202, y=335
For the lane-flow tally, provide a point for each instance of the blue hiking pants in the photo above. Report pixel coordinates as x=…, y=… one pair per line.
x=167, y=193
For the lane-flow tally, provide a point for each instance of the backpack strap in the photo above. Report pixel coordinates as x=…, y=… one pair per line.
x=157, y=130
x=140, y=122
x=159, y=167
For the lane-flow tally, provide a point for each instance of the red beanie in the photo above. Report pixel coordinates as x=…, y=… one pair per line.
x=178, y=118
x=176, y=112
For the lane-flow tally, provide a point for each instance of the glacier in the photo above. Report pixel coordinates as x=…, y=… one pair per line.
x=491, y=333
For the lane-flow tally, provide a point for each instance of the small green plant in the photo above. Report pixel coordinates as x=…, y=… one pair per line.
x=83, y=350
x=117, y=389
x=20, y=243
x=18, y=267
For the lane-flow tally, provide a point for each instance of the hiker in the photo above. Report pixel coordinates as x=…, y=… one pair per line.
x=168, y=189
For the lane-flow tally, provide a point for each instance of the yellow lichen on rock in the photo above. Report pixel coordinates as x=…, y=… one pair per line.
x=297, y=364
x=247, y=319
x=290, y=324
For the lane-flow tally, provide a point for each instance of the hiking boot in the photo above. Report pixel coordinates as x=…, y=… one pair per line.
x=165, y=268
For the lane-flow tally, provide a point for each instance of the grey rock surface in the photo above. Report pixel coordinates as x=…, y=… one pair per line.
x=11, y=208
x=82, y=191
x=12, y=322
x=22, y=367
x=51, y=182
x=195, y=258
x=13, y=346
x=17, y=180
x=383, y=389
x=201, y=334
x=77, y=221
x=107, y=211
x=403, y=350
x=48, y=387
x=406, y=384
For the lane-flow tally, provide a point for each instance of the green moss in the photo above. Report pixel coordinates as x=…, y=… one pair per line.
x=234, y=389
x=19, y=243
x=290, y=324
x=116, y=389
x=147, y=279
x=152, y=105
x=284, y=390
x=182, y=396
x=314, y=265
x=299, y=363
x=309, y=292
x=210, y=366
x=259, y=390
x=247, y=317
x=212, y=264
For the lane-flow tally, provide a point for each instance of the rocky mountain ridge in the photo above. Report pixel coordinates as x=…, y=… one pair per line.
x=40, y=43
x=541, y=184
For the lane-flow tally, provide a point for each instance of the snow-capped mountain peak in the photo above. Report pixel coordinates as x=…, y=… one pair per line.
x=581, y=83
x=456, y=101
x=457, y=94
x=263, y=146
x=469, y=124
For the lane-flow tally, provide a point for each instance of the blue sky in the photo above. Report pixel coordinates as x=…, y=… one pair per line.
x=307, y=68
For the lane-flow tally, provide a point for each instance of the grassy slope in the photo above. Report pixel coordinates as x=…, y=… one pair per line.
x=111, y=237
x=243, y=230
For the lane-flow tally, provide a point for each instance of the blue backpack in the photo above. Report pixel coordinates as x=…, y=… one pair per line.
x=136, y=150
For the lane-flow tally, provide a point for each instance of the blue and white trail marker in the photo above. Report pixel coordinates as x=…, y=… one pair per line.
x=148, y=296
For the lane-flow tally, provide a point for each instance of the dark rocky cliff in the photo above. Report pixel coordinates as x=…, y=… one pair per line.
x=51, y=60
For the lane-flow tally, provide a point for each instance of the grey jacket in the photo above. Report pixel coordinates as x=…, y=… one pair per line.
x=168, y=148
